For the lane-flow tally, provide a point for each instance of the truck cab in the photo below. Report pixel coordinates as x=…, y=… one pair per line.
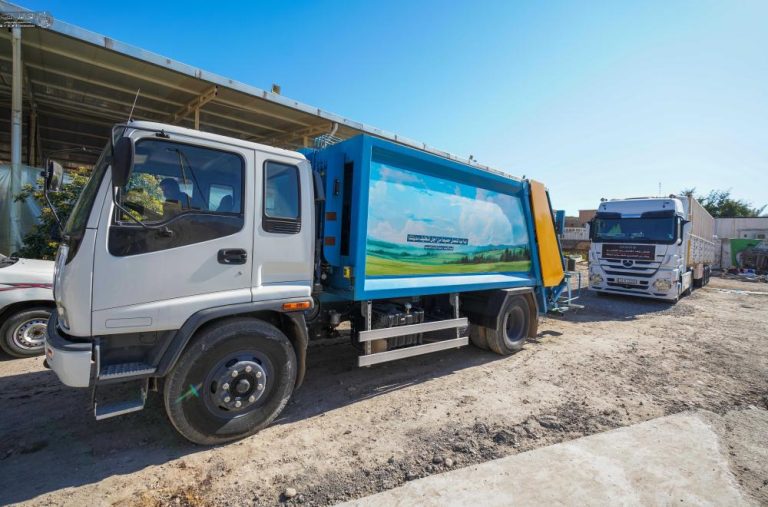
x=642, y=247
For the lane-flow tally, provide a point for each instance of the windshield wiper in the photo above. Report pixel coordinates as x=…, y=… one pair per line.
x=183, y=158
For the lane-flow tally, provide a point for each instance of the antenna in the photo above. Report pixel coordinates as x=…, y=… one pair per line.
x=659, y=189
x=130, y=115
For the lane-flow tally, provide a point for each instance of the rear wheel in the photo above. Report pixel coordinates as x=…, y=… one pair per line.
x=512, y=327
x=23, y=332
x=477, y=335
x=231, y=382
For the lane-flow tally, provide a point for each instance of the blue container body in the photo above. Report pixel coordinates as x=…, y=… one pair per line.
x=401, y=222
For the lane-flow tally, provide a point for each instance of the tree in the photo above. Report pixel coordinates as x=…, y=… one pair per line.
x=720, y=204
x=144, y=195
x=39, y=244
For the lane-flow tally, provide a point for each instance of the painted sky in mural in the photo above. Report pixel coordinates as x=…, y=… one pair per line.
x=420, y=224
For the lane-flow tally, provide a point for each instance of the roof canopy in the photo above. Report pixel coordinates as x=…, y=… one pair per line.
x=77, y=83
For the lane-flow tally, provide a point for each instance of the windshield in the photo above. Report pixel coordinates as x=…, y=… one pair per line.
x=78, y=218
x=634, y=230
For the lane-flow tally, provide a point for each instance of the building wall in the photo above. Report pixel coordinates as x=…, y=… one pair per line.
x=585, y=215
x=745, y=228
x=729, y=229
x=572, y=222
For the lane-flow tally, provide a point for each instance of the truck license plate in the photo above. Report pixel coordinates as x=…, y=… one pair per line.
x=627, y=281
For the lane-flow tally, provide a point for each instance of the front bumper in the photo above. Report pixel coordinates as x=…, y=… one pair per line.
x=671, y=295
x=643, y=288
x=71, y=361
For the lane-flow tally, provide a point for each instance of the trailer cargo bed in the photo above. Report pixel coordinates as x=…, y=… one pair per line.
x=701, y=249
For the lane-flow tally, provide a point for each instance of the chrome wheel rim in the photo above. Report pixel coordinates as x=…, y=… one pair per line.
x=30, y=334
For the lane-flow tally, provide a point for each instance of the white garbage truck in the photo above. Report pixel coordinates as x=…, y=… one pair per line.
x=200, y=266
x=653, y=247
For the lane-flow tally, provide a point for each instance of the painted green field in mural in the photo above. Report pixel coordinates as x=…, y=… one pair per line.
x=380, y=266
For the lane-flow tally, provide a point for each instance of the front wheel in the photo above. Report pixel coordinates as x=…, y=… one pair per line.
x=232, y=381
x=23, y=332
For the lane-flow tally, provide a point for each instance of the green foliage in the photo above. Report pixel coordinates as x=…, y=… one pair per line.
x=506, y=255
x=720, y=204
x=144, y=197
x=39, y=244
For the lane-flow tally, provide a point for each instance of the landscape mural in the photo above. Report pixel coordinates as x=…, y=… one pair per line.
x=420, y=224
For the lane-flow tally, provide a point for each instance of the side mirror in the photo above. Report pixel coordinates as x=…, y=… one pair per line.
x=681, y=229
x=54, y=175
x=122, y=161
x=317, y=180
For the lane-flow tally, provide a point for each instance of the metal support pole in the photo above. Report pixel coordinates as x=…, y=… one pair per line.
x=197, y=118
x=454, y=297
x=16, y=91
x=15, y=187
x=367, y=310
x=32, y=138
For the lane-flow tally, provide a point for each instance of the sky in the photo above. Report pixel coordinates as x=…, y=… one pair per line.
x=595, y=99
x=405, y=203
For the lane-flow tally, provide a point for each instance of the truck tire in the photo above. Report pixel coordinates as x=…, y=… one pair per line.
x=512, y=327
x=232, y=381
x=477, y=336
x=23, y=332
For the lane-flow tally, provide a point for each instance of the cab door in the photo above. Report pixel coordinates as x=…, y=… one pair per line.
x=284, y=230
x=194, y=250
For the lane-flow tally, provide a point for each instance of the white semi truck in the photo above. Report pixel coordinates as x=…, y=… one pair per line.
x=654, y=247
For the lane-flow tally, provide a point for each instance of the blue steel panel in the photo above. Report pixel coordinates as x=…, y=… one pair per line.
x=361, y=151
x=377, y=288
x=384, y=152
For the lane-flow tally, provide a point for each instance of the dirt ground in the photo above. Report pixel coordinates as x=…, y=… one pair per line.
x=350, y=432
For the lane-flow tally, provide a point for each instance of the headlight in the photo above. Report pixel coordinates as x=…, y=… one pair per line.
x=595, y=279
x=58, y=265
x=662, y=285
x=62, y=312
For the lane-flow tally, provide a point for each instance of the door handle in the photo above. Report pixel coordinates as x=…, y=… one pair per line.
x=232, y=256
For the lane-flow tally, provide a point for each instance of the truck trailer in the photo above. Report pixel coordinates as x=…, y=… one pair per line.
x=200, y=266
x=654, y=247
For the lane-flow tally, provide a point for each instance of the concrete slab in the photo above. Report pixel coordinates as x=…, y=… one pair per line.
x=671, y=460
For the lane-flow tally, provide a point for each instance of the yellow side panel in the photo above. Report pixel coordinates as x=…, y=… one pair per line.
x=550, y=258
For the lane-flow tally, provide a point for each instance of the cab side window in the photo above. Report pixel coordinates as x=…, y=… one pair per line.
x=187, y=194
x=282, y=198
x=169, y=179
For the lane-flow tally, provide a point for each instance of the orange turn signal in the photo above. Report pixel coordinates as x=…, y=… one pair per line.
x=301, y=305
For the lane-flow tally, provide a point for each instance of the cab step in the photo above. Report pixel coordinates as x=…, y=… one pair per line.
x=125, y=370
x=121, y=399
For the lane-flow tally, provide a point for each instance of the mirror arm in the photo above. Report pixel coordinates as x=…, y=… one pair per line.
x=53, y=210
x=164, y=230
